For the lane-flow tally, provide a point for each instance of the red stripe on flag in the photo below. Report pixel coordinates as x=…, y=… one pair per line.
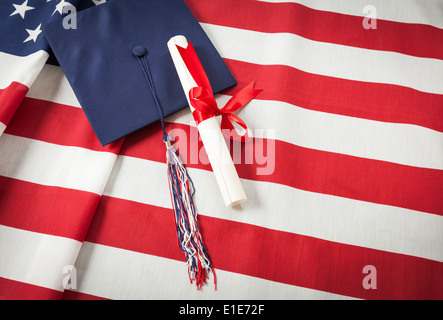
x=10, y=99
x=413, y=39
x=16, y=290
x=296, y=259
x=374, y=101
x=312, y=170
x=56, y=123
x=50, y=210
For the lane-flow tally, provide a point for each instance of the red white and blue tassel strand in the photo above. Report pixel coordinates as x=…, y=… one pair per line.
x=188, y=234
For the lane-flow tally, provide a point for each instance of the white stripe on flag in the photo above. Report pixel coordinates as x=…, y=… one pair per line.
x=54, y=165
x=138, y=278
x=2, y=128
x=355, y=222
x=36, y=258
x=21, y=69
x=52, y=85
x=327, y=59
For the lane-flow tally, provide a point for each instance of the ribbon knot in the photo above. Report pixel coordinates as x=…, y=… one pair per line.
x=203, y=101
x=206, y=107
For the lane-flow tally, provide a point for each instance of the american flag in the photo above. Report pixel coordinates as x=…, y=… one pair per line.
x=353, y=205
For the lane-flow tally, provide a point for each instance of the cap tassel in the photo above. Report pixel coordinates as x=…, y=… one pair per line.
x=182, y=192
x=188, y=234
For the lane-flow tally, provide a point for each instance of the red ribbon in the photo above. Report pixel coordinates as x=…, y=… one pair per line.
x=203, y=101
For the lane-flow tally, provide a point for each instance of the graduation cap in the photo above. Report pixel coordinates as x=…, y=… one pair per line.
x=97, y=58
x=120, y=68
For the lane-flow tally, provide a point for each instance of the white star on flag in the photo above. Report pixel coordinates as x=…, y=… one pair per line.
x=59, y=7
x=33, y=34
x=21, y=9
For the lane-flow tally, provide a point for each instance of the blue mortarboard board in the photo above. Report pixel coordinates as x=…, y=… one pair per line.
x=98, y=60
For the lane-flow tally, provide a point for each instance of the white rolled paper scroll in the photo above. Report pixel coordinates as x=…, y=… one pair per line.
x=211, y=135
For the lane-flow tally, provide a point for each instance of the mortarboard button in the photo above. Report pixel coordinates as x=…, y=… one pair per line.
x=139, y=51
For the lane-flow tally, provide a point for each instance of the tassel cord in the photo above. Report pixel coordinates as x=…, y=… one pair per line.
x=182, y=193
x=148, y=77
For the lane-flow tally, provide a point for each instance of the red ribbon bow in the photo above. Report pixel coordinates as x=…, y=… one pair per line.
x=203, y=101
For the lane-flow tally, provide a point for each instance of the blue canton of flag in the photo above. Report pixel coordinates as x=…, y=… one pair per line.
x=23, y=48
x=21, y=24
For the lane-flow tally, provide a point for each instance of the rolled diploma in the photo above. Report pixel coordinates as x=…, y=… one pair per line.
x=211, y=135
